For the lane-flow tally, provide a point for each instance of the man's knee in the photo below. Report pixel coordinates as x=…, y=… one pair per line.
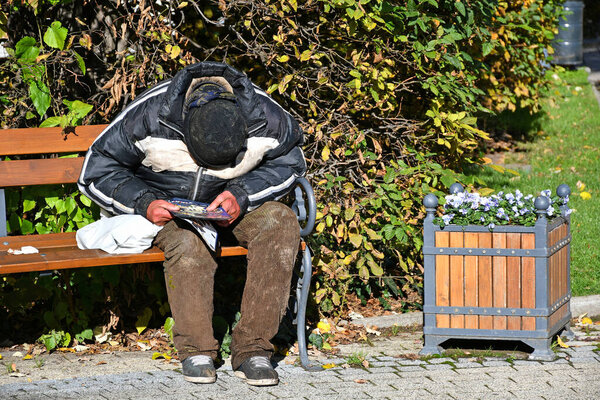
x=177, y=242
x=278, y=216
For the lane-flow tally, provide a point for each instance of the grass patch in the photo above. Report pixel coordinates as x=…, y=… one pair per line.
x=561, y=144
x=357, y=360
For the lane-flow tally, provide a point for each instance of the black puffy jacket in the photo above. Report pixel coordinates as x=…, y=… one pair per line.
x=141, y=156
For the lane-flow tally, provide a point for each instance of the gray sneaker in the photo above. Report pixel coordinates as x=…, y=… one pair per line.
x=199, y=369
x=257, y=371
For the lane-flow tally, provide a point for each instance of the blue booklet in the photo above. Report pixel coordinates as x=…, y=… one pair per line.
x=189, y=209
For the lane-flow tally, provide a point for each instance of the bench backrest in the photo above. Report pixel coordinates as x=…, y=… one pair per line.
x=42, y=170
x=43, y=141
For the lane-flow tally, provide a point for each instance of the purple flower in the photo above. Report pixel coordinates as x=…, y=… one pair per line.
x=547, y=193
x=447, y=218
x=491, y=226
x=501, y=213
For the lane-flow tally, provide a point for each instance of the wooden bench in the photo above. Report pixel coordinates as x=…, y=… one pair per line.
x=59, y=251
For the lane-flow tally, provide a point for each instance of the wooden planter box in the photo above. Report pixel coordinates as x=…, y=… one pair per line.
x=509, y=284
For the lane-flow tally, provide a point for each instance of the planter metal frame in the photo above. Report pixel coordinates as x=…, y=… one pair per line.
x=551, y=312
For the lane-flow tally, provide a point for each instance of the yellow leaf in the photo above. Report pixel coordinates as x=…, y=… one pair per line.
x=585, y=195
x=320, y=227
x=284, y=58
x=305, y=55
x=28, y=357
x=486, y=160
x=183, y=4
x=497, y=168
x=355, y=239
x=586, y=321
x=561, y=343
x=325, y=153
x=175, y=51
x=324, y=327
x=326, y=346
x=328, y=366
x=0, y=356
x=142, y=322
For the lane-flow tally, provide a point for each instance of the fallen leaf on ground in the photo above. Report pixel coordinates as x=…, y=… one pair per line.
x=28, y=357
x=101, y=363
x=18, y=354
x=360, y=381
x=80, y=347
x=373, y=331
x=365, y=364
x=328, y=366
x=587, y=321
x=13, y=367
x=561, y=343
x=585, y=195
x=157, y=355
x=143, y=346
x=65, y=349
x=17, y=375
x=324, y=326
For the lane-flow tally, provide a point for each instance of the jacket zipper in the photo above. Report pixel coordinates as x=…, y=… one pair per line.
x=197, y=183
x=160, y=121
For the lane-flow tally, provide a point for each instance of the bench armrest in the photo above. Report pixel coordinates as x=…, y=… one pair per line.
x=305, y=198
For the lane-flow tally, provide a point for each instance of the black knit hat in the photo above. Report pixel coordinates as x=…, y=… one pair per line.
x=215, y=130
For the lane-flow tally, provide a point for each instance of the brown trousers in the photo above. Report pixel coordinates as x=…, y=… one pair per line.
x=272, y=235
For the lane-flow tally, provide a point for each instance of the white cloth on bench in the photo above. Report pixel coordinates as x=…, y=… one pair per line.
x=121, y=234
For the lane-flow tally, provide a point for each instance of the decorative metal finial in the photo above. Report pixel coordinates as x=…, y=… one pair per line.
x=541, y=204
x=430, y=201
x=563, y=190
x=456, y=188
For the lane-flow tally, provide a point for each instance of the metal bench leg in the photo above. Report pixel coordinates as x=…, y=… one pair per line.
x=302, y=291
x=2, y=213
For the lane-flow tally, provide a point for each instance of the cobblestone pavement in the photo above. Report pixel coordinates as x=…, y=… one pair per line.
x=575, y=374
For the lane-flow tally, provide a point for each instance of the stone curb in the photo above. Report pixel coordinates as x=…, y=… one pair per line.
x=579, y=306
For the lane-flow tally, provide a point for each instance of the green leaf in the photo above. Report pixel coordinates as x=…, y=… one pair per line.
x=461, y=8
x=65, y=340
x=142, y=322
x=487, y=48
x=56, y=35
x=26, y=227
x=28, y=205
x=54, y=121
x=80, y=62
x=40, y=95
x=85, y=200
x=78, y=108
x=169, y=324
x=26, y=49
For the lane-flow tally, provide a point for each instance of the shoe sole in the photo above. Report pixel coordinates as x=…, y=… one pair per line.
x=200, y=379
x=257, y=382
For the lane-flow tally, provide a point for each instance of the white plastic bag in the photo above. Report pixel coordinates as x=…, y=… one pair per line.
x=122, y=234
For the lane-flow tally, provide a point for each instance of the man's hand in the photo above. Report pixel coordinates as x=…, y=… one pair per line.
x=227, y=201
x=158, y=212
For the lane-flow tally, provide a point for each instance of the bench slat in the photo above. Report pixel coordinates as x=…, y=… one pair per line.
x=40, y=172
x=60, y=251
x=70, y=257
x=47, y=140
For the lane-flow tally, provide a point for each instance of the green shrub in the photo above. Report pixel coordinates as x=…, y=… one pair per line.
x=388, y=93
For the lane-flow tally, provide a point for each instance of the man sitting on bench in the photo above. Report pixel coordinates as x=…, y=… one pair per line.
x=209, y=135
